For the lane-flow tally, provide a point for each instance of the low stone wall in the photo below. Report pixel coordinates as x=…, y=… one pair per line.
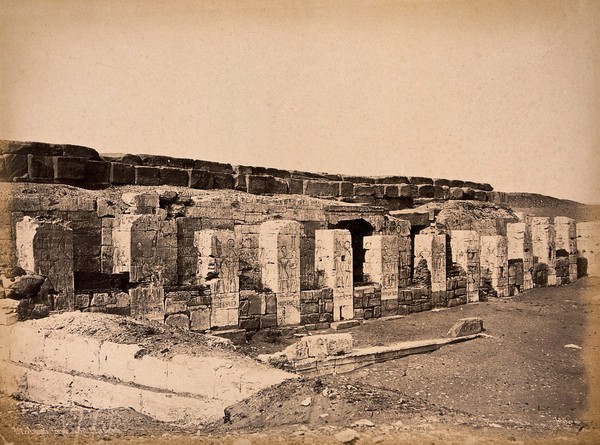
x=65, y=369
x=85, y=167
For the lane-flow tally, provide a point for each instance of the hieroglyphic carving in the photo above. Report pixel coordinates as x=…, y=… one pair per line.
x=45, y=247
x=466, y=251
x=432, y=248
x=279, y=254
x=218, y=267
x=566, y=239
x=543, y=243
x=494, y=262
x=333, y=264
x=520, y=247
x=381, y=263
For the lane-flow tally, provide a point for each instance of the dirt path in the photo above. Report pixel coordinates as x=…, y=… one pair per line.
x=520, y=386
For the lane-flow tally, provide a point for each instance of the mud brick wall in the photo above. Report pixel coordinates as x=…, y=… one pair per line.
x=257, y=310
x=316, y=307
x=188, y=307
x=367, y=301
x=414, y=299
x=85, y=167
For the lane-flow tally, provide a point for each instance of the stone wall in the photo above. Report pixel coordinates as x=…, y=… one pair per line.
x=202, y=260
x=85, y=167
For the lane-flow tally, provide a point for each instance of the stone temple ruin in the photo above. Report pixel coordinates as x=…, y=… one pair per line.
x=272, y=248
x=229, y=250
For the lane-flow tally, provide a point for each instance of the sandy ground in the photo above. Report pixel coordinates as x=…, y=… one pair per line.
x=521, y=385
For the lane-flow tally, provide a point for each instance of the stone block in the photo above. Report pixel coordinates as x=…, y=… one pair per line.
x=466, y=326
x=49, y=387
x=321, y=188
x=346, y=189
x=268, y=321
x=15, y=166
x=69, y=168
x=249, y=324
x=97, y=394
x=147, y=175
x=295, y=186
x=118, y=360
x=408, y=190
x=121, y=173
x=97, y=173
x=179, y=321
x=150, y=371
x=223, y=181
x=174, y=176
x=200, y=319
x=40, y=167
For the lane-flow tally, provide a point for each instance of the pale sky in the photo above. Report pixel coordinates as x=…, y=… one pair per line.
x=500, y=92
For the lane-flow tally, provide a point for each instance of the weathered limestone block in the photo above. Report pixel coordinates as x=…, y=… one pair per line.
x=588, y=247
x=543, y=242
x=381, y=263
x=146, y=247
x=279, y=253
x=46, y=248
x=520, y=247
x=494, y=262
x=565, y=231
x=148, y=302
x=466, y=252
x=466, y=326
x=218, y=267
x=432, y=248
x=333, y=264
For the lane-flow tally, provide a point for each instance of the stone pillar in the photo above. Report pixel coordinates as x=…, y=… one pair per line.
x=432, y=248
x=494, y=262
x=565, y=231
x=466, y=252
x=218, y=268
x=146, y=247
x=520, y=247
x=543, y=242
x=279, y=254
x=381, y=266
x=588, y=248
x=45, y=247
x=333, y=264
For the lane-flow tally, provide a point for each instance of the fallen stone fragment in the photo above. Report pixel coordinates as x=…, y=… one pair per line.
x=306, y=402
x=572, y=346
x=23, y=286
x=363, y=422
x=345, y=324
x=466, y=326
x=346, y=436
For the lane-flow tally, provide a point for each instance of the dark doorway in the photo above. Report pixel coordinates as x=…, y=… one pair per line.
x=359, y=228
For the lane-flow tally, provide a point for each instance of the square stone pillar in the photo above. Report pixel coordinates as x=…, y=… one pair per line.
x=432, y=248
x=520, y=247
x=588, y=248
x=543, y=242
x=494, y=262
x=565, y=231
x=218, y=268
x=279, y=255
x=333, y=264
x=45, y=247
x=381, y=263
x=466, y=252
x=146, y=247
